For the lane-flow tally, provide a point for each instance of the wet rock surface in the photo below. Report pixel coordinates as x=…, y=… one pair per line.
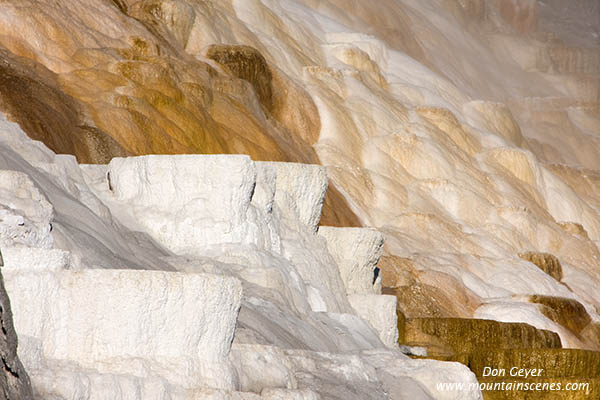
x=448, y=335
x=546, y=262
x=464, y=131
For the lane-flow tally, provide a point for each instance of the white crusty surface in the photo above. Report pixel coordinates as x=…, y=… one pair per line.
x=94, y=324
x=356, y=251
x=466, y=132
x=171, y=325
x=300, y=190
x=186, y=202
x=25, y=213
x=380, y=312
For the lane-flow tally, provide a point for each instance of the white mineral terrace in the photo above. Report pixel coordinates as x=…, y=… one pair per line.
x=244, y=298
x=457, y=134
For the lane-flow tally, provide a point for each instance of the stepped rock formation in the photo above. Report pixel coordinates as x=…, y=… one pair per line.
x=115, y=296
x=243, y=199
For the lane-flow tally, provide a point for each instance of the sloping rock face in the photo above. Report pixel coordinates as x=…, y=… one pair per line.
x=459, y=129
x=14, y=381
x=194, y=277
x=160, y=99
x=465, y=132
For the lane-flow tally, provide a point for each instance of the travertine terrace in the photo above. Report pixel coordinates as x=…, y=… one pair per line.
x=244, y=199
x=261, y=307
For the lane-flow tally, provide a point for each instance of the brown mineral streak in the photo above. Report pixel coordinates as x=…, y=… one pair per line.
x=152, y=98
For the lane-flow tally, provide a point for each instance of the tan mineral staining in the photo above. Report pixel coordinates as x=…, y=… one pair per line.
x=396, y=272
x=462, y=301
x=447, y=335
x=465, y=130
x=553, y=366
x=425, y=294
x=574, y=229
x=484, y=345
x=388, y=20
x=246, y=63
x=424, y=301
x=362, y=61
x=447, y=122
x=294, y=108
x=546, y=262
x=109, y=94
x=522, y=15
x=572, y=315
x=567, y=312
x=591, y=333
x=48, y=114
x=583, y=364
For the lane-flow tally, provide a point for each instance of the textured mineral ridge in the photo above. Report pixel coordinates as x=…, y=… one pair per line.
x=458, y=139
